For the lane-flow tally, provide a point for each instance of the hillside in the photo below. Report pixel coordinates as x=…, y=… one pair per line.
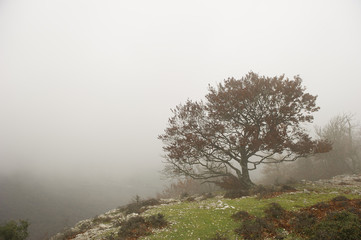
x=52, y=203
x=206, y=217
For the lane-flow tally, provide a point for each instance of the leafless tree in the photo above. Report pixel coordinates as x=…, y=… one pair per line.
x=345, y=137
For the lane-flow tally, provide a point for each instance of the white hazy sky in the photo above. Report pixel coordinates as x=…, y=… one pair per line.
x=86, y=86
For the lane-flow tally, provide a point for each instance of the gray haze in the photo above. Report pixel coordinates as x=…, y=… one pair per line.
x=86, y=86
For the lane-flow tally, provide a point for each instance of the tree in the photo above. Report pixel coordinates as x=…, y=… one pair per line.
x=241, y=124
x=345, y=155
x=344, y=158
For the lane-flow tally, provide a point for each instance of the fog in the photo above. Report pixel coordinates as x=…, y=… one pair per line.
x=87, y=86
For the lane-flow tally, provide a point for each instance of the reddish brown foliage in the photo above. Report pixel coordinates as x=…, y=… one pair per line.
x=229, y=183
x=301, y=222
x=255, y=116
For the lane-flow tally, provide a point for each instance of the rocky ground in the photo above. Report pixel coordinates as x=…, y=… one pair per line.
x=107, y=225
x=339, y=182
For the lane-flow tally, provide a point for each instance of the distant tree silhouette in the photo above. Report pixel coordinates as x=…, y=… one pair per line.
x=344, y=133
x=345, y=156
x=241, y=124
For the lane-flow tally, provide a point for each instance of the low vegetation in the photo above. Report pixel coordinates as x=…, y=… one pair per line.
x=303, y=211
x=138, y=205
x=306, y=213
x=339, y=219
x=139, y=226
x=14, y=230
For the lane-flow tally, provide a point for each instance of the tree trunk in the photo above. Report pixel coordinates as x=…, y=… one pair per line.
x=246, y=182
x=244, y=177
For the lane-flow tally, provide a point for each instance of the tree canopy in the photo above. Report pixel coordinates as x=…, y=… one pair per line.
x=241, y=124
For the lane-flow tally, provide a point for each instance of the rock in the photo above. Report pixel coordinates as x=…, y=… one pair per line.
x=129, y=216
x=103, y=226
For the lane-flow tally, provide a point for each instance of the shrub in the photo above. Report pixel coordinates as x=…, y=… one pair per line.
x=100, y=219
x=132, y=208
x=14, y=230
x=207, y=195
x=69, y=233
x=138, y=226
x=157, y=221
x=263, y=191
x=111, y=236
x=338, y=226
x=136, y=207
x=312, y=223
x=230, y=183
x=303, y=222
x=254, y=229
x=358, y=202
x=270, y=191
x=133, y=228
x=136, y=199
x=340, y=199
x=354, y=210
x=190, y=199
x=219, y=237
x=184, y=195
x=321, y=205
x=241, y=216
x=287, y=188
x=150, y=202
x=236, y=194
x=274, y=210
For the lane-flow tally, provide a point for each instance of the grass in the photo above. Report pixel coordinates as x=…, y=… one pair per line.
x=189, y=221
x=203, y=220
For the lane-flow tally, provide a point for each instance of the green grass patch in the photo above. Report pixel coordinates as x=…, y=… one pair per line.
x=204, y=219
